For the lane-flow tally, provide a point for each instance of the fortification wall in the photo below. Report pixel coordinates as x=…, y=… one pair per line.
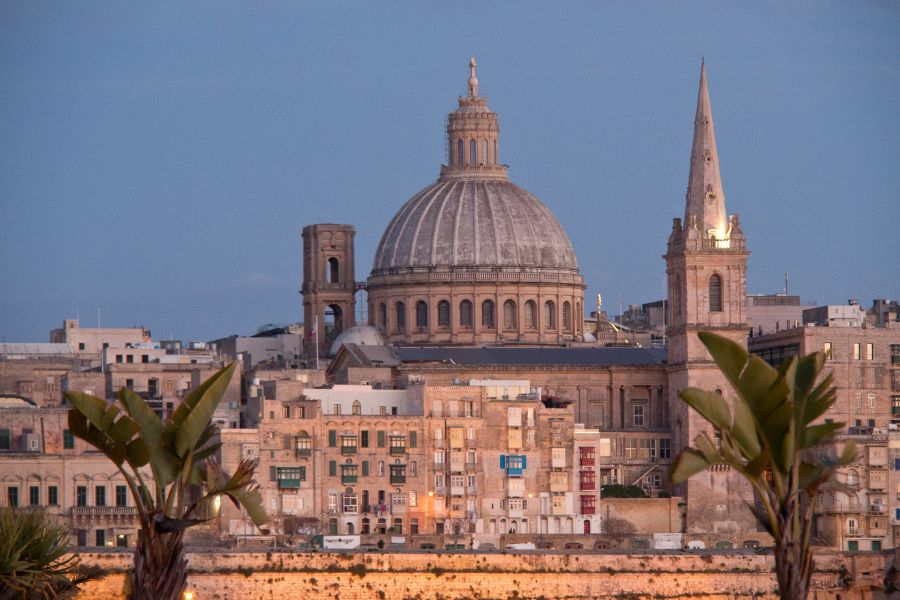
x=430, y=576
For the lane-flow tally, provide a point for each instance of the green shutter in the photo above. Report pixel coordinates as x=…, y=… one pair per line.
x=68, y=439
x=302, y=473
x=271, y=473
x=365, y=468
x=381, y=439
x=412, y=439
x=5, y=439
x=332, y=438
x=332, y=468
x=364, y=439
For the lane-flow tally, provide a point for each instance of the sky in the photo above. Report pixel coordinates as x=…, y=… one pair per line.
x=159, y=159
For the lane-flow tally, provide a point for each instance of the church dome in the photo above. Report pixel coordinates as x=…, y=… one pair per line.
x=365, y=335
x=474, y=223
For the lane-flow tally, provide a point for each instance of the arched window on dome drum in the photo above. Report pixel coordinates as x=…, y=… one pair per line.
x=496, y=158
x=473, y=147
x=715, y=294
x=421, y=314
x=460, y=152
x=567, y=316
x=443, y=314
x=509, y=315
x=382, y=316
x=530, y=315
x=487, y=314
x=484, y=153
x=549, y=315
x=401, y=316
x=465, y=313
x=333, y=270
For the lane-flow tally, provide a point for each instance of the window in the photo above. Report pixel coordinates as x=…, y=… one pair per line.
x=398, y=473
x=81, y=495
x=400, y=310
x=895, y=354
x=121, y=495
x=100, y=496
x=871, y=401
x=715, y=294
x=588, y=505
x=509, y=315
x=530, y=315
x=349, y=473
x=826, y=348
x=413, y=498
x=365, y=468
x=380, y=439
x=382, y=316
x=357, y=408
x=413, y=441
x=638, y=415
x=350, y=503
x=34, y=495
x=364, y=439
x=336, y=409
x=549, y=315
x=460, y=153
x=439, y=481
x=348, y=443
x=665, y=450
x=443, y=314
x=516, y=504
x=438, y=457
x=381, y=468
x=53, y=495
x=413, y=469
x=304, y=444
x=81, y=345
x=332, y=468
x=421, y=314
x=472, y=152
x=68, y=439
x=484, y=152
x=100, y=536
x=465, y=314
x=333, y=270
x=856, y=351
x=870, y=351
x=487, y=314
x=332, y=438
x=12, y=496
x=567, y=316
x=398, y=444
x=5, y=439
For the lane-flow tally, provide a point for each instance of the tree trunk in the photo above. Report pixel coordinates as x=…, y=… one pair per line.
x=792, y=569
x=160, y=567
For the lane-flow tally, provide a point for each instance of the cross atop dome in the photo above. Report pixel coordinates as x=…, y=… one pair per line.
x=473, y=81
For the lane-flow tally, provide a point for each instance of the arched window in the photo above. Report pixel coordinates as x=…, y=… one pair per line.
x=509, y=315
x=487, y=314
x=496, y=157
x=421, y=314
x=460, y=152
x=382, y=316
x=484, y=153
x=530, y=315
x=715, y=294
x=549, y=315
x=401, y=316
x=465, y=313
x=472, y=152
x=332, y=270
x=443, y=314
x=357, y=407
x=567, y=316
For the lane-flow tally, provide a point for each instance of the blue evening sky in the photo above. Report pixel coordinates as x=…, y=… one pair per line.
x=158, y=159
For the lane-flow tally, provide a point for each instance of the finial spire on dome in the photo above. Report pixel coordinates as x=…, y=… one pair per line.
x=473, y=81
x=705, y=194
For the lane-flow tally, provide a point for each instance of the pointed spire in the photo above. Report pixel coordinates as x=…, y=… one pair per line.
x=473, y=81
x=705, y=194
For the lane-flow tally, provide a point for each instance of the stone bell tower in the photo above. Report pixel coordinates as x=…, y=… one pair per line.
x=329, y=284
x=706, y=268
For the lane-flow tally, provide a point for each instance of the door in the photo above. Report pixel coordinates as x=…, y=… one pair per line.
x=587, y=527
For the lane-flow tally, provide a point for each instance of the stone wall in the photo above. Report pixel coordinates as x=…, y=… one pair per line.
x=430, y=576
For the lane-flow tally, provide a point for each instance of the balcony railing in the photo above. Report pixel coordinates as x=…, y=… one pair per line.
x=304, y=452
x=395, y=479
x=587, y=486
x=345, y=450
x=587, y=461
x=853, y=531
x=588, y=510
x=398, y=450
x=104, y=511
x=345, y=479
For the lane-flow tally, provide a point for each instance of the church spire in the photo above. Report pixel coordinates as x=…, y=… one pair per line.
x=473, y=81
x=705, y=203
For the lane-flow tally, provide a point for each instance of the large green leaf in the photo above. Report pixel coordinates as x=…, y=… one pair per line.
x=198, y=408
x=162, y=459
x=688, y=463
x=240, y=487
x=710, y=405
x=729, y=356
x=744, y=429
x=102, y=426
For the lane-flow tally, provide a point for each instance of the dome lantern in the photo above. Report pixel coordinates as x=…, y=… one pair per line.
x=473, y=134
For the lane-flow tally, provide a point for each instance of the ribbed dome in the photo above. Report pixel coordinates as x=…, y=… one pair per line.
x=474, y=223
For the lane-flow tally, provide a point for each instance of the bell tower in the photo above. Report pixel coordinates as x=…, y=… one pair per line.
x=329, y=284
x=706, y=268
